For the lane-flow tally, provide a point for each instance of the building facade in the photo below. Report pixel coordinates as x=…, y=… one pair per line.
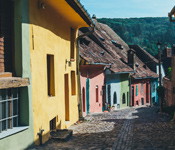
x=92, y=82
x=53, y=31
x=16, y=119
x=117, y=87
x=140, y=92
x=154, y=95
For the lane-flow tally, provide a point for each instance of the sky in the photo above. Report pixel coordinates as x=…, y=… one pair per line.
x=128, y=8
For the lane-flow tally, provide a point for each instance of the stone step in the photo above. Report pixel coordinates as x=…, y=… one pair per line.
x=61, y=135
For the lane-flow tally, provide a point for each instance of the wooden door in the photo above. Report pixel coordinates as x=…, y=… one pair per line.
x=66, y=80
x=87, y=95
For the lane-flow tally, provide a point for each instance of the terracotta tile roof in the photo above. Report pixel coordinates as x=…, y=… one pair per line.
x=145, y=57
x=105, y=46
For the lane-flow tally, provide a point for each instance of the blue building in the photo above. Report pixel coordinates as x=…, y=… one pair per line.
x=154, y=95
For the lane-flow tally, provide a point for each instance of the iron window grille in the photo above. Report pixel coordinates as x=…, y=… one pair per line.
x=9, y=100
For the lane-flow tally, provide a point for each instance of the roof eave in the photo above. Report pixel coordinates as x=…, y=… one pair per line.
x=124, y=72
x=78, y=7
x=144, y=77
x=170, y=14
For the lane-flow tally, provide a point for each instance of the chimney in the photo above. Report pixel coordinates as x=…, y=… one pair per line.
x=167, y=52
x=2, y=68
x=131, y=58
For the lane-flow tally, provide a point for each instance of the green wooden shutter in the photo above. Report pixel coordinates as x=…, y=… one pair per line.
x=136, y=90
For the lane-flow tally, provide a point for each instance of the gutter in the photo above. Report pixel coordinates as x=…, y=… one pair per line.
x=144, y=78
x=124, y=72
x=78, y=68
x=99, y=64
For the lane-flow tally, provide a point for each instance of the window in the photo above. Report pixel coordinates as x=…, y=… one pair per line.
x=96, y=93
x=154, y=87
x=173, y=90
x=142, y=88
x=115, y=98
x=83, y=95
x=127, y=98
x=136, y=90
x=8, y=109
x=123, y=99
x=50, y=75
x=53, y=124
x=142, y=101
x=72, y=43
x=73, y=83
x=153, y=100
x=7, y=31
x=109, y=94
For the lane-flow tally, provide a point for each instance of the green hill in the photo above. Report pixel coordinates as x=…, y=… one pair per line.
x=143, y=31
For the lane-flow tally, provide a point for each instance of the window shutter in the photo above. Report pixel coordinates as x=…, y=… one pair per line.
x=136, y=90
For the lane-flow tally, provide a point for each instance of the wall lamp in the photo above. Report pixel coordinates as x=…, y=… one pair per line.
x=41, y=5
x=71, y=60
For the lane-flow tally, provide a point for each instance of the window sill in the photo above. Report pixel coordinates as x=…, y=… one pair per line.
x=50, y=97
x=10, y=132
x=13, y=82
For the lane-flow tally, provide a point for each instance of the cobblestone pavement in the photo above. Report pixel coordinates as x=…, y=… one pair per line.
x=132, y=128
x=152, y=130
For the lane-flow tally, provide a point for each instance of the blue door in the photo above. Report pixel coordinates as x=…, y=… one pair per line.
x=87, y=95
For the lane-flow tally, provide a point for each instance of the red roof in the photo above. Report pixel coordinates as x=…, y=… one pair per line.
x=105, y=46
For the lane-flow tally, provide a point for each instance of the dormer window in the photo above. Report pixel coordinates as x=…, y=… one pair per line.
x=136, y=64
x=113, y=42
x=102, y=53
x=102, y=39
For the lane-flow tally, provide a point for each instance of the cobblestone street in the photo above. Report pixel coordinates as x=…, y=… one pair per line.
x=132, y=128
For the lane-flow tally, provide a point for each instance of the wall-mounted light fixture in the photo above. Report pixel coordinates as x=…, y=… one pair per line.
x=41, y=5
x=71, y=60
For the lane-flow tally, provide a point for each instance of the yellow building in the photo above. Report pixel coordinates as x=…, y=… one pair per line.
x=54, y=60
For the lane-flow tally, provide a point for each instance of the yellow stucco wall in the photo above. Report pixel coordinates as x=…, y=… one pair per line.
x=50, y=34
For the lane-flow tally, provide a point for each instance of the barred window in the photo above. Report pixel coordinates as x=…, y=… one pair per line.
x=8, y=109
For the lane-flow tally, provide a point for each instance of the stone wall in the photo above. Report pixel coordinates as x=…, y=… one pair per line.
x=168, y=92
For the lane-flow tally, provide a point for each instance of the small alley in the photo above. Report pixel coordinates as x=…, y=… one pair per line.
x=131, y=128
x=75, y=80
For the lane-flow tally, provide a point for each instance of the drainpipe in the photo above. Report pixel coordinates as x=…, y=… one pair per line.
x=78, y=69
x=40, y=136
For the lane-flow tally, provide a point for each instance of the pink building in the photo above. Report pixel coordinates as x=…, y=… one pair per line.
x=140, y=92
x=141, y=80
x=92, y=82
